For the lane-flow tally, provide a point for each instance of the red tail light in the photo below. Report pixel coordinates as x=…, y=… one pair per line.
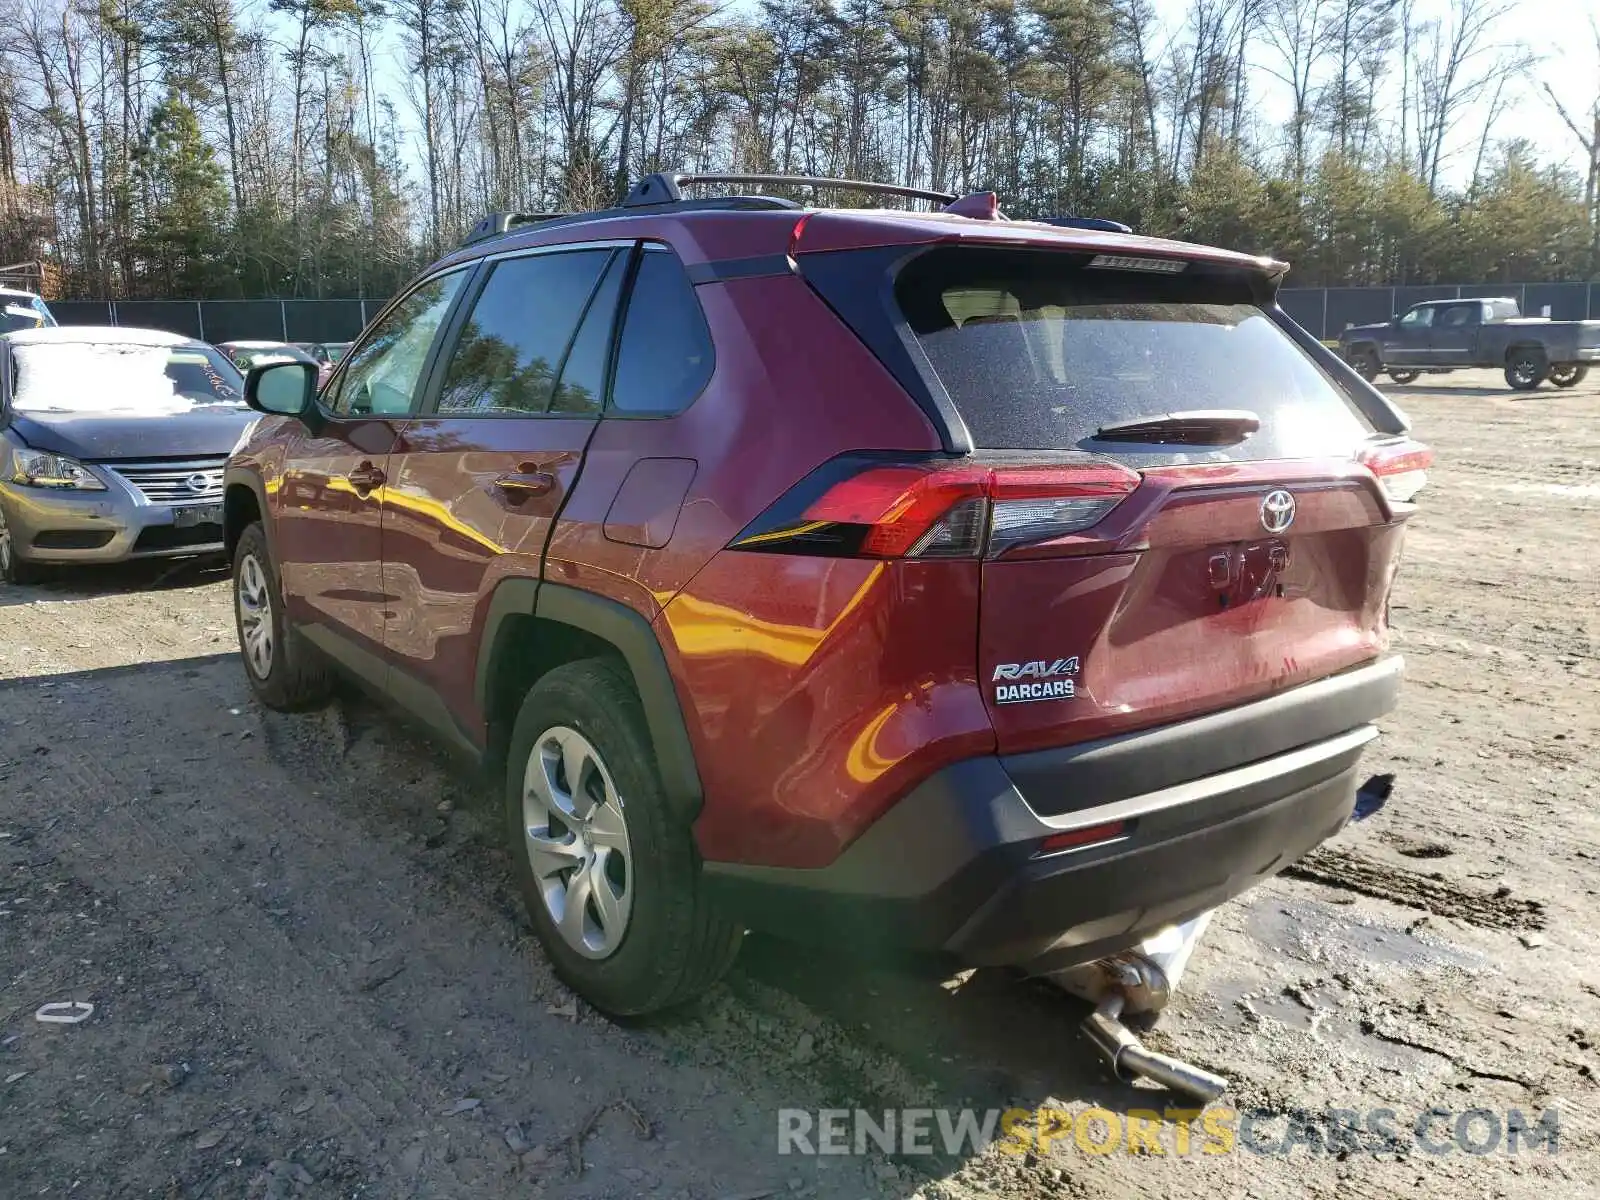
x=1401, y=467
x=937, y=508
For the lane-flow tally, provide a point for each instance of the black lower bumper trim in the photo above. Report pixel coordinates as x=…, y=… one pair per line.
x=955, y=872
x=173, y=537
x=1107, y=770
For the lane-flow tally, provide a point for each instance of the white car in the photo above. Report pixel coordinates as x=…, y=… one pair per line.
x=23, y=310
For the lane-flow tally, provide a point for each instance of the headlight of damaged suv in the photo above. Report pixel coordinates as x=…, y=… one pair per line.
x=39, y=468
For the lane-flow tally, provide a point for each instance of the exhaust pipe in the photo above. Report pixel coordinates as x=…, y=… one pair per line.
x=1136, y=981
x=1143, y=980
x=1129, y=1059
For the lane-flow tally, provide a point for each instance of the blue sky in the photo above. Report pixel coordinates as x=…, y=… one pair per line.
x=1559, y=33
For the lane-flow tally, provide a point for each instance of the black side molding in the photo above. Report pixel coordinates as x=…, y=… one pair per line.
x=634, y=639
x=722, y=269
x=236, y=477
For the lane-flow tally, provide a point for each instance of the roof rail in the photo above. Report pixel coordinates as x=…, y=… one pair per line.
x=662, y=188
x=1100, y=223
x=497, y=223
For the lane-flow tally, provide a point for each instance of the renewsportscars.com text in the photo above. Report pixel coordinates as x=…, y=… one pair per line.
x=1173, y=1131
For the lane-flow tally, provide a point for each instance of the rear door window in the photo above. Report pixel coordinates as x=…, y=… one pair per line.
x=1038, y=351
x=511, y=349
x=583, y=379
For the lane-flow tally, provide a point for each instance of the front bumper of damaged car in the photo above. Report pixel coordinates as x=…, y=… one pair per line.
x=67, y=525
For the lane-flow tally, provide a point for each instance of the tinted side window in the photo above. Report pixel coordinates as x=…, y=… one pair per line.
x=382, y=375
x=513, y=344
x=665, y=358
x=583, y=380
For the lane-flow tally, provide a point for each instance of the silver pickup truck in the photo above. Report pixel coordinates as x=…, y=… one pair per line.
x=1446, y=335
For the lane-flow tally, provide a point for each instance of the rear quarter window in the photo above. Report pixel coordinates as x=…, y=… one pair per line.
x=1037, y=351
x=665, y=356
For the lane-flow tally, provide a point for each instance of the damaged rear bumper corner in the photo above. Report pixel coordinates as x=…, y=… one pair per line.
x=954, y=871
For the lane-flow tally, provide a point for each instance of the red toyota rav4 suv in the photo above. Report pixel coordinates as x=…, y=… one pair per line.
x=937, y=584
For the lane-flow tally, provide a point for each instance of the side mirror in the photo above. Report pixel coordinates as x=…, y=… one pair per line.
x=287, y=388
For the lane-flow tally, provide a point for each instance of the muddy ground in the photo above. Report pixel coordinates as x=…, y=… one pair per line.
x=311, y=976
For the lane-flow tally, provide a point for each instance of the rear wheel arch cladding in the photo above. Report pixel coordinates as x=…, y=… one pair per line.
x=597, y=626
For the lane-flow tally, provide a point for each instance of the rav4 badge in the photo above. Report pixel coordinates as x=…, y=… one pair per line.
x=1042, y=679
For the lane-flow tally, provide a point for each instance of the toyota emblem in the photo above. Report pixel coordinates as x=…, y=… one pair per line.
x=199, y=484
x=1277, y=511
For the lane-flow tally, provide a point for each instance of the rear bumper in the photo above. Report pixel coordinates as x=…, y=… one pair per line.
x=954, y=870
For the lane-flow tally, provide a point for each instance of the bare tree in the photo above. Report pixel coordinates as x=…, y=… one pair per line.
x=1457, y=64
x=1296, y=30
x=1359, y=36
x=1587, y=132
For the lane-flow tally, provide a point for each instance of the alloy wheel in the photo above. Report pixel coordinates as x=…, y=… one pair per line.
x=5, y=545
x=576, y=837
x=254, y=599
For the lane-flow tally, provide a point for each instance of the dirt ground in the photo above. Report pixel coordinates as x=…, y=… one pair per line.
x=311, y=975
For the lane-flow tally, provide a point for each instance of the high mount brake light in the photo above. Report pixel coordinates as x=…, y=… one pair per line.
x=936, y=508
x=1401, y=467
x=1137, y=262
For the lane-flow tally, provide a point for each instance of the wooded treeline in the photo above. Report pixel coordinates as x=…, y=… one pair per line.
x=216, y=148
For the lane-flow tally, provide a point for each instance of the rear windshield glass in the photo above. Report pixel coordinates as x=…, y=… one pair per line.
x=1039, y=352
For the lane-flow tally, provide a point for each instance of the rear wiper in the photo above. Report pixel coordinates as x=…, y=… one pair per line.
x=1200, y=427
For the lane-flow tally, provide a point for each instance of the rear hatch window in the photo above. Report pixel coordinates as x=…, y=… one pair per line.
x=1039, y=351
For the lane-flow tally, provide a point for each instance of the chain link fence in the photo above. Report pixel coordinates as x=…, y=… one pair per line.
x=1326, y=312
x=228, y=320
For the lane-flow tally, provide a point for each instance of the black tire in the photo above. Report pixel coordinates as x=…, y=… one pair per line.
x=14, y=570
x=1366, y=364
x=673, y=945
x=1526, y=368
x=296, y=677
x=1404, y=377
x=1568, y=374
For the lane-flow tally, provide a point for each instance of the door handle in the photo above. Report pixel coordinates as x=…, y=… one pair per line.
x=519, y=485
x=366, y=477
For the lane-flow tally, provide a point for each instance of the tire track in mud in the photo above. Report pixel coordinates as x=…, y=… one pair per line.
x=263, y=960
x=746, y=1028
x=1350, y=870
x=230, y=847
x=743, y=1027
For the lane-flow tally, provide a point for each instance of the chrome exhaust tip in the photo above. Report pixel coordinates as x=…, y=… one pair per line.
x=1137, y=981
x=1129, y=1059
